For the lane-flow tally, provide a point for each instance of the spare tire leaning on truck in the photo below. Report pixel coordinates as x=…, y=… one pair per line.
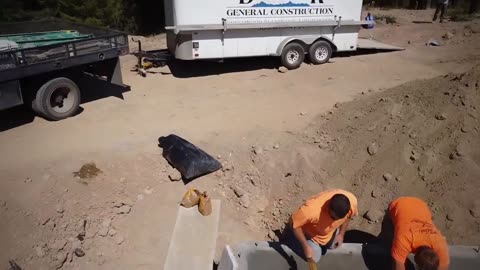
x=57, y=99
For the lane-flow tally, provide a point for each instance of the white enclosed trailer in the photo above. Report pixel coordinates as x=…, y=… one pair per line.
x=290, y=29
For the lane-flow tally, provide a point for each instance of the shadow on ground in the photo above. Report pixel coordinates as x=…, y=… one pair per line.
x=189, y=69
x=201, y=68
x=92, y=88
x=361, y=52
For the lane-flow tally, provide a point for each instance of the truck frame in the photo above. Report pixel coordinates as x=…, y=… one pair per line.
x=45, y=75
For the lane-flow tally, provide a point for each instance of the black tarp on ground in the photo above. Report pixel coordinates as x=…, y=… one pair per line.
x=191, y=161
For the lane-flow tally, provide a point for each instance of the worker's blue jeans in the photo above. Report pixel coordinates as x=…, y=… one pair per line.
x=318, y=250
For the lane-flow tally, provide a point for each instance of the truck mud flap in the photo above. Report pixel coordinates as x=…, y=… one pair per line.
x=10, y=94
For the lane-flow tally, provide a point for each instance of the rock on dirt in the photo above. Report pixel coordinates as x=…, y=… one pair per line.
x=414, y=156
x=387, y=177
x=447, y=35
x=174, y=175
x=227, y=167
x=60, y=259
x=79, y=253
x=91, y=231
x=107, y=222
x=81, y=227
x=148, y=191
x=238, y=191
x=124, y=209
x=112, y=232
x=322, y=145
x=372, y=149
x=441, y=116
x=119, y=239
x=40, y=251
x=258, y=150
x=76, y=243
x=376, y=193
x=58, y=244
x=373, y=215
x=59, y=208
x=475, y=210
x=128, y=202
x=245, y=201
x=282, y=70
x=276, y=146
x=103, y=231
x=272, y=235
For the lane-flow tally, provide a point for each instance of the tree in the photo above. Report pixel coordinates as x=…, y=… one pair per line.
x=474, y=6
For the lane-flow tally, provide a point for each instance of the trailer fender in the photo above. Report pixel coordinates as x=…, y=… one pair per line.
x=305, y=40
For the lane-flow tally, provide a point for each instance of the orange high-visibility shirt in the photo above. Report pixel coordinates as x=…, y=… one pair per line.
x=314, y=216
x=414, y=228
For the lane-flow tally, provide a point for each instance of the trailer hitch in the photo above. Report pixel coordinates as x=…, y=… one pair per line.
x=149, y=59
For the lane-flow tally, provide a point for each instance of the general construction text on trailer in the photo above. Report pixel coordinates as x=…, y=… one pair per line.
x=290, y=29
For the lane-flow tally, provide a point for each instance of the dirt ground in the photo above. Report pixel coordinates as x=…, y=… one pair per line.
x=381, y=125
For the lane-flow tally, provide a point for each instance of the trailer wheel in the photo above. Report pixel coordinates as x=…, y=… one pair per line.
x=57, y=99
x=293, y=55
x=320, y=52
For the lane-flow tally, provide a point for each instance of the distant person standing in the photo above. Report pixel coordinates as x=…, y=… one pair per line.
x=370, y=24
x=441, y=8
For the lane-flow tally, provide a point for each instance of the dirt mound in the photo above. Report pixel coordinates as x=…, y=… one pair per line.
x=419, y=139
x=427, y=137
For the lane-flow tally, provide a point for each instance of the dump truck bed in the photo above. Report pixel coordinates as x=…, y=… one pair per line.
x=28, y=49
x=30, y=40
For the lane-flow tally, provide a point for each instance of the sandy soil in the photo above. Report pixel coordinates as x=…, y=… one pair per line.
x=316, y=117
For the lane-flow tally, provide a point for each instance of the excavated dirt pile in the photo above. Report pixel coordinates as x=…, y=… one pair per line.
x=419, y=139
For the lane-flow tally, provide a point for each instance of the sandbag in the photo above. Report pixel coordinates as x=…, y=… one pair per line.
x=205, y=204
x=189, y=160
x=191, y=198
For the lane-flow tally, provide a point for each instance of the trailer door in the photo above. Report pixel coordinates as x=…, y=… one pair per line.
x=251, y=42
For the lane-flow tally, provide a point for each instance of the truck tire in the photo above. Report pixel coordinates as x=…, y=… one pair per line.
x=320, y=52
x=293, y=55
x=57, y=99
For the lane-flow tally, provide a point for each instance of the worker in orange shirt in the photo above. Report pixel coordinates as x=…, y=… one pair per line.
x=321, y=223
x=414, y=232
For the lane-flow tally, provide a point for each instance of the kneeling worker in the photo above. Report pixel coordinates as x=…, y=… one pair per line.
x=321, y=223
x=416, y=233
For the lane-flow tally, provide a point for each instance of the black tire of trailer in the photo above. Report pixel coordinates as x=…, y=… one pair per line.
x=320, y=52
x=57, y=99
x=293, y=55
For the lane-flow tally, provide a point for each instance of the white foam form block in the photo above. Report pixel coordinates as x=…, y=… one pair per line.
x=192, y=246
